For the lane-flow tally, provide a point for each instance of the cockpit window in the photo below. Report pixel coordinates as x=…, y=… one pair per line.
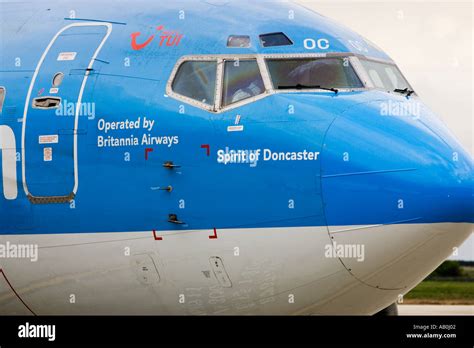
x=313, y=73
x=218, y=83
x=197, y=80
x=239, y=41
x=242, y=80
x=275, y=39
x=385, y=76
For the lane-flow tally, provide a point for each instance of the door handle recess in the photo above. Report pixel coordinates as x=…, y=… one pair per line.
x=46, y=103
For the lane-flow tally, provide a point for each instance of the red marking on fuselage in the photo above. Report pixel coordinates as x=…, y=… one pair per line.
x=155, y=236
x=147, y=151
x=172, y=38
x=208, y=148
x=138, y=47
x=214, y=236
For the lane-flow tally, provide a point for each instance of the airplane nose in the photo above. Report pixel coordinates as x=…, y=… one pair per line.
x=399, y=188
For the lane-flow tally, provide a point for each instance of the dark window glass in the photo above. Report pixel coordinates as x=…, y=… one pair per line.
x=307, y=72
x=275, y=39
x=197, y=80
x=242, y=80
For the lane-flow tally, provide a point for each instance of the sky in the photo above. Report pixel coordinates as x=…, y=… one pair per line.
x=431, y=41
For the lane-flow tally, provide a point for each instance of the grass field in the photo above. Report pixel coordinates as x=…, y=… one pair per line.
x=442, y=292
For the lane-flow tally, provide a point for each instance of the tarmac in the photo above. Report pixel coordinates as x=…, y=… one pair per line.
x=435, y=310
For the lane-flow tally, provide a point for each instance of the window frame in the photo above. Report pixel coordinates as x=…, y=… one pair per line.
x=217, y=107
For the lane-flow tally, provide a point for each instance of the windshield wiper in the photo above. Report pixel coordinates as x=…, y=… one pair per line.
x=406, y=91
x=300, y=87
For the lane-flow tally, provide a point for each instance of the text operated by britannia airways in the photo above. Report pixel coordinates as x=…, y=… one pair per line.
x=109, y=131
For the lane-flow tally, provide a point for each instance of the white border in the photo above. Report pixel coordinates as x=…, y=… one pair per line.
x=79, y=100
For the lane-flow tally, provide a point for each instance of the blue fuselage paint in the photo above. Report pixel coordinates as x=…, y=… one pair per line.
x=370, y=169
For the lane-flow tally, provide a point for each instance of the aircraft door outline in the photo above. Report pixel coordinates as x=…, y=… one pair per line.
x=62, y=198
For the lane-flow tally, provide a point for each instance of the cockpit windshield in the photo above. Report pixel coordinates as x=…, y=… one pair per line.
x=313, y=73
x=386, y=76
x=222, y=82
